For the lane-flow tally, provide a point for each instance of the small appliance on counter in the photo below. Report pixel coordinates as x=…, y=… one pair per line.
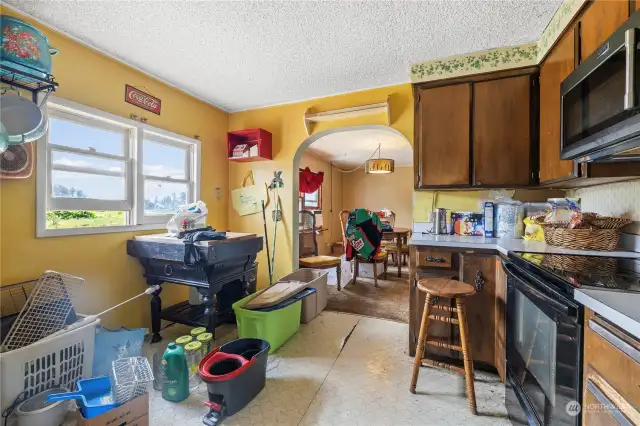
x=440, y=221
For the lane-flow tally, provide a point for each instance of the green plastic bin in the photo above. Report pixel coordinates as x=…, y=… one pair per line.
x=276, y=327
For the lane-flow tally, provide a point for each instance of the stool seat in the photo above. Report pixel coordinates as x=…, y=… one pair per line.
x=445, y=287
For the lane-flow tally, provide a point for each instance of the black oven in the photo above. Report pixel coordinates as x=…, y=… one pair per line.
x=544, y=344
x=600, y=102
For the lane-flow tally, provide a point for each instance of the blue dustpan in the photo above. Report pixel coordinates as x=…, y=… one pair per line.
x=93, y=395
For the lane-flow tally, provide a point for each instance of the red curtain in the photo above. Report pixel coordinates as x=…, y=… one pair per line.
x=309, y=181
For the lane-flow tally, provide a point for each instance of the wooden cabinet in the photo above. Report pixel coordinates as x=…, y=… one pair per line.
x=485, y=310
x=502, y=132
x=421, y=268
x=611, y=382
x=599, y=20
x=477, y=131
x=559, y=64
x=480, y=272
x=442, y=158
x=500, y=354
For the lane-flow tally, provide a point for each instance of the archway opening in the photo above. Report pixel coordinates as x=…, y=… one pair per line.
x=341, y=154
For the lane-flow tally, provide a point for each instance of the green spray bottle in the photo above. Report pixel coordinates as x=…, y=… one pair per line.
x=175, y=387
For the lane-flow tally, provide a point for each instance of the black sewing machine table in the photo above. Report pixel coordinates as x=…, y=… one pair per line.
x=225, y=274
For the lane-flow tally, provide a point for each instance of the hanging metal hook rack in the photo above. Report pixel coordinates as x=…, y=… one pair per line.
x=23, y=80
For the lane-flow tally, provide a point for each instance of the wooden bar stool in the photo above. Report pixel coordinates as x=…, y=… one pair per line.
x=445, y=287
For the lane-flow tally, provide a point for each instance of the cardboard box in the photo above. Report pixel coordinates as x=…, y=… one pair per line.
x=132, y=413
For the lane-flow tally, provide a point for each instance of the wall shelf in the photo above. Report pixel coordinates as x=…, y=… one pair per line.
x=340, y=114
x=258, y=140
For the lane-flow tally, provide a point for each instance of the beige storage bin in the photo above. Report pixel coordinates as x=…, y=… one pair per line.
x=315, y=303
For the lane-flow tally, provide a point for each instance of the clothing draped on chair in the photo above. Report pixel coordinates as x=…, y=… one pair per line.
x=363, y=233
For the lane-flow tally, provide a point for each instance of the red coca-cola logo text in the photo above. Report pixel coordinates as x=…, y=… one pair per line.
x=143, y=100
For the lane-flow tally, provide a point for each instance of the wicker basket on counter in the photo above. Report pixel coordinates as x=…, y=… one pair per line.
x=581, y=264
x=596, y=233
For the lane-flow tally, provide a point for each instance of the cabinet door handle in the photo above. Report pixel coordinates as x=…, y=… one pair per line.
x=434, y=259
x=479, y=281
x=617, y=342
x=607, y=404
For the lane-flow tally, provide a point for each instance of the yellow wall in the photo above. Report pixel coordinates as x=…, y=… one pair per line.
x=331, y=200
x=285, y=122
x=375, y=192
x=90, y=78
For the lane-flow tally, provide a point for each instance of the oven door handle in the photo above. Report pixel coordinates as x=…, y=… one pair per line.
x=536, y=295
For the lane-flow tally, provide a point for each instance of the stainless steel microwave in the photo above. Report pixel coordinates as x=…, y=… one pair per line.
x=600, y=101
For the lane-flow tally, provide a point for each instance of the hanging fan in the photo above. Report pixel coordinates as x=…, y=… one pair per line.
x=16, y=162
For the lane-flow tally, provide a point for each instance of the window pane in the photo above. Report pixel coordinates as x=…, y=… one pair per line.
x=84, y=185
x=69, y=133
x=61, y=158
x=163, y=160
x=61, y=219
x=162, y=198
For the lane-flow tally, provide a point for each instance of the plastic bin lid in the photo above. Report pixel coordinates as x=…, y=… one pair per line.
x=290, y=301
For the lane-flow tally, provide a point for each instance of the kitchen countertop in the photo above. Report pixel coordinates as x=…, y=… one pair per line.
x=506, y=245
x=619, y=307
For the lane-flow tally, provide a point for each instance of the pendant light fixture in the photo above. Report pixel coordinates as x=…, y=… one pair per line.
x=379, y=165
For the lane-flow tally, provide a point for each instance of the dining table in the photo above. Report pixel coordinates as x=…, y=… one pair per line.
x=400, y=236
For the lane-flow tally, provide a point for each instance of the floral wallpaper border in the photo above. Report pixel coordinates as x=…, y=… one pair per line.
x=475, y=63
x=502, y=58
x=565, y=14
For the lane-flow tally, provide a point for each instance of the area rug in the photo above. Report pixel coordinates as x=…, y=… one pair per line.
x=390, y=300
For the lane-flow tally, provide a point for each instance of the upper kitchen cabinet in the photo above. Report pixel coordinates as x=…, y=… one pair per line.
x=477, y=131
x=593, y=26
x=502, y=132
x=442, y=156
x=598, y=22
x=559, y=64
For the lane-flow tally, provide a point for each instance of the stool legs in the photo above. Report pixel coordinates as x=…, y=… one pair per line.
x=422, y=337
x=466, y=353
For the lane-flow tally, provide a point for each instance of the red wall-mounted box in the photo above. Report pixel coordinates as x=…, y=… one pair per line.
x=257, y=141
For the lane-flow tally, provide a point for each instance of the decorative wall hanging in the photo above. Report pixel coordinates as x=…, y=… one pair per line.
x=141, y=99
x=246, y=199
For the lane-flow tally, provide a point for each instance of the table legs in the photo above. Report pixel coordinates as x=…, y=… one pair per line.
x=210, y=315
x=156, y=307
x=399, y=253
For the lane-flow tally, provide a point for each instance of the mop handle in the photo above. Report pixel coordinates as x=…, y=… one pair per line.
x=91, y=318
x=147, y=291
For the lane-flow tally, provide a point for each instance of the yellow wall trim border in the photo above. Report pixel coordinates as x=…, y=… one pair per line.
x=502, y=58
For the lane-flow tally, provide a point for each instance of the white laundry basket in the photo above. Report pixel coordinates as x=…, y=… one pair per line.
x=59, y=361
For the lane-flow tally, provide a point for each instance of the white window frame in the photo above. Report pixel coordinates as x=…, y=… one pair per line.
x=134, y=177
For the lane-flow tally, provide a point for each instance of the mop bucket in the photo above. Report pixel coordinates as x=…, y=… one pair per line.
x=234, y=373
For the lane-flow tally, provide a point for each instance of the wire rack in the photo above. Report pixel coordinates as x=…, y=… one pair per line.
x=25, y=80
x=131, y=378
x=48, y=309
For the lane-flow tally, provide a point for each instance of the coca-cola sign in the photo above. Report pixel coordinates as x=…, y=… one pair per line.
x=140, y=99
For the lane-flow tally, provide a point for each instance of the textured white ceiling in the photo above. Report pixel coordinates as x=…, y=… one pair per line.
x=350, y=149
x=240, y=54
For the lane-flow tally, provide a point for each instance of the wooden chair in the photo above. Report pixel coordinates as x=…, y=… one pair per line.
x=308, y=257
x=445, y=287
x=381, y=258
